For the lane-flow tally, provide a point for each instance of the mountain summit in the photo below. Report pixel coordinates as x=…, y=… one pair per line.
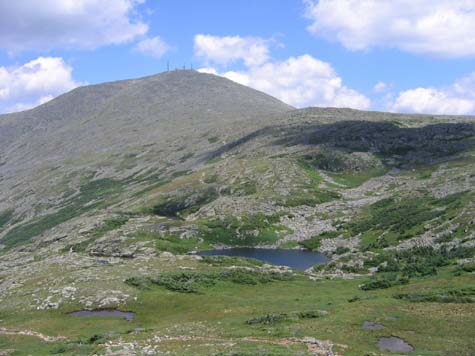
x=125, y=112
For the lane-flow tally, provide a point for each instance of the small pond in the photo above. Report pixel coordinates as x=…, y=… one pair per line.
x=109, y=313
x=298, y=259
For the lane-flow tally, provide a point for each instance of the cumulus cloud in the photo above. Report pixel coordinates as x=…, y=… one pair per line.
x=84, y=24
x=299, y=81
x=226, y=50
x=34, y=83
x=456, y=99
x=439, y=27
x=155, y=47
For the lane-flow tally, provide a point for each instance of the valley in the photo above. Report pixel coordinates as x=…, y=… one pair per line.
x=110, y=194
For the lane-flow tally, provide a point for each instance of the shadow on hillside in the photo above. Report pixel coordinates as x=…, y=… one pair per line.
x=414, y=145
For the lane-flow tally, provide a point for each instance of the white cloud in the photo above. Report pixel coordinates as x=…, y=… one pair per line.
x=226, y=50
x=34, y=83
x=457, y=99
x=440, y=27
x=299, y=81
x=380, y=87
x=85, y=24
x=155, y=47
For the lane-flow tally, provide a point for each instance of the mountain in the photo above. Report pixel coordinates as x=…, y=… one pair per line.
x=163, y=116
x=107, y=192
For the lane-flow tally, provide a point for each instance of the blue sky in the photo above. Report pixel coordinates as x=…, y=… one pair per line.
x=398, y=55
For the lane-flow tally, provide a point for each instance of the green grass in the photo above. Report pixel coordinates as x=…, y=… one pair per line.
x=222, y=309
x=92, y=195
x=355, y=179
x=5, y=217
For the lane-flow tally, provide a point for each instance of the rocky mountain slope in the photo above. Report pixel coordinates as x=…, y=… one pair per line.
x=108, y=186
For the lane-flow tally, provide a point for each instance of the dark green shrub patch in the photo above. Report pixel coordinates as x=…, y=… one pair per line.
x=241, y=276
x=5, y=217
x=248, y=230
x=311, y=193
x=418, y=261
x=96, y=339
x=213, y=139
x=224, y=261
x=312, y=198
x=174, y=206
x=185, y=282
x=400, y=219
x=268, y=319
x=78, y=247
x=142, y=283
x=313, y=314
x=174, y=244
x=340, y=250
x=384, y=282
x=110, y=225
x=468, y=267
x=314, y=242
x=462, y=295
x=195, y=282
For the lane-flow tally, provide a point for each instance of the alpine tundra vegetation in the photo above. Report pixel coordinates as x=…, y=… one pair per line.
x=109, y=192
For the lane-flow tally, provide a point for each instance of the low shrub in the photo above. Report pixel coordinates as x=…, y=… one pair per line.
x=384, y=282
x=268, y=319
x=175, y=206
x=419, y=261
x=314, y=242
x=185, y=282
x=142, y=283
x=340, y=250
x=240, y=276
x=468, y=267
x=462, y=295
x=224, y=261
x=110, y=225
x=313, y=314
x=194, y=282
x=249, y=230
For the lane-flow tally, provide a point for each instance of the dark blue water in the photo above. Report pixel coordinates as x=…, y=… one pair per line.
x=115, y=313
x=298, y=259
